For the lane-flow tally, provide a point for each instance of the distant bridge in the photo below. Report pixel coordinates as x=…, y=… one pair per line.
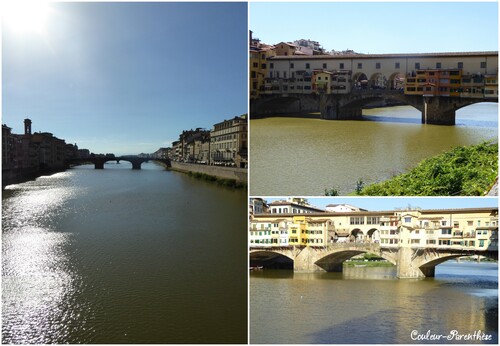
x=434, y=109
x=410, y=262
x=99, y=161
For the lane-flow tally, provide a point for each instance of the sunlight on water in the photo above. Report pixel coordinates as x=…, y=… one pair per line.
x=37, y=278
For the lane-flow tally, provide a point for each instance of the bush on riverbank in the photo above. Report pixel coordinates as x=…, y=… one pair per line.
x=465, y=171
x=220, y=181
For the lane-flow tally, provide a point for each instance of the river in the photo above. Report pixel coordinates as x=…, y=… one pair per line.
x=123, y=256
x=303, y=157
x=371, y=306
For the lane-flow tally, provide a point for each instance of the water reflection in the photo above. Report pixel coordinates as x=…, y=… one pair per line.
x=37, y=275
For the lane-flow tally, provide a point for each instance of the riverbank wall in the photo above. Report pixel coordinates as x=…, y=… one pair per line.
x=17, y=176
x=239, y=175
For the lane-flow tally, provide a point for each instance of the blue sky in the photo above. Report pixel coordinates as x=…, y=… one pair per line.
x=390, y=203
x=125, y=77
x=380, y=27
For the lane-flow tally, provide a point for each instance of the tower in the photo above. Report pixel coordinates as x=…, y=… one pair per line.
x=27, y=126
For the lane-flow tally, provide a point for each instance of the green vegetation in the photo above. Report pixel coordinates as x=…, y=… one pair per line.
x=331, y=192
x=368, y=260
x=354, y=263
x=465, y=171
x=219, y=181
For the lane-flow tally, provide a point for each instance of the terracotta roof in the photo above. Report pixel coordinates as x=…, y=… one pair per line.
x=381, y=56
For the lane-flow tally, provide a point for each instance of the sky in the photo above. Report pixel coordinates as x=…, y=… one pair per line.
x=123, y=78
x=391, y=203
x=380, y=27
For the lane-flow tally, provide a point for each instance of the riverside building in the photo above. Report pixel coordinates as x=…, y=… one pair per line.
x=440, y=74
x=468, y=229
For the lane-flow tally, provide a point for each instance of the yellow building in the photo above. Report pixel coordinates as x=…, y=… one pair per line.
x=434, y=82
x=297, y=231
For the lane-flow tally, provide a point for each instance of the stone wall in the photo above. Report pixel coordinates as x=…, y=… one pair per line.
x=238, y=174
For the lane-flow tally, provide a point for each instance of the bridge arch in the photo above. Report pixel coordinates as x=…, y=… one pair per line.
x=426, y=260
x=271, y=259
x=357, y=235
x=396, y=81
x=475, y=103
x=377, y=81
x=373, y=235
x=333, y=260
x=359, y=79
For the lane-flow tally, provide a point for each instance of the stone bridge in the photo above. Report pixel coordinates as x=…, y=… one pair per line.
x=410, y=262
x=99, y=161
x=435, y=110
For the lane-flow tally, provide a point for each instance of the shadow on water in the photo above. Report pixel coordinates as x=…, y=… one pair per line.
x=359, y=330
x=379, y=328
x=461, y=122
x=385, y=119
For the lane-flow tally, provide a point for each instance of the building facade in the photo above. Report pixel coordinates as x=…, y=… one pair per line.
x=229, y=142
x=294, y=74
x=465, y=229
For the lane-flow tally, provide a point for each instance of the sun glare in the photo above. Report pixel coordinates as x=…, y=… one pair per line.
x=25, y=16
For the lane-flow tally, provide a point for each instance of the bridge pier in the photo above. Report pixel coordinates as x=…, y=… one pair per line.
x=409, y=264
x=332, y=108
x=304, y=261
x=136, y=165
x=99, y=165
x=438, y=111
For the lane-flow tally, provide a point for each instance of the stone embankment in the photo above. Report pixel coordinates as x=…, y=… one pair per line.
x=237, y=174
x=17, y=176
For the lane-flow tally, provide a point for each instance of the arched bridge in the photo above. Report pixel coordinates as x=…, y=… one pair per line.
x=99, y=161
x=410, y=262
x=434, y=110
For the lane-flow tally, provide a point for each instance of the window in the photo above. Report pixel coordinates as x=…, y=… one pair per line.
x=271, y=65
x=377, y=66
x=407, y=219
x=291, y=65
x=417, y=66
x=341, y=66
x=357, y=220
x=483, y=64
x=324, y=65
x=308, y=66
x=460, y=65
x=360, y=65
x=397, y=65
x=438, y=65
